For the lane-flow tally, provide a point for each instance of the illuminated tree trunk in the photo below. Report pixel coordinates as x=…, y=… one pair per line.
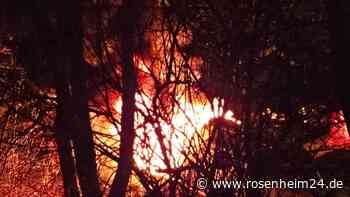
x=64, y=147
x=129, y=17
x=81, y=133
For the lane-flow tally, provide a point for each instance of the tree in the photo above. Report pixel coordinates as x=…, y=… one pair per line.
x=56, y=49
x=130, y=78
x=76, y=70
x=130, y=14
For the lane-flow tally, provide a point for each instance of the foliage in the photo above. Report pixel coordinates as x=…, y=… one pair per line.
x=270, y=63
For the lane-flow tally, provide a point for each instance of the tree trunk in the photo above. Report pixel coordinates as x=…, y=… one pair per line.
x=71, y=33
x=129, y=17
x=64, y=146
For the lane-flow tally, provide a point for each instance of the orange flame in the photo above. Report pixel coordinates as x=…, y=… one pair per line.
x=187, y=117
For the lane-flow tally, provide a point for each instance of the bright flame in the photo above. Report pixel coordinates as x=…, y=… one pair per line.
x=161, y=143
x=187, y=120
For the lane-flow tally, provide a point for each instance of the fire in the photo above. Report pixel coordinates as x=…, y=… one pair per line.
x=188, y=119
x=338, y=135
x=162, y=142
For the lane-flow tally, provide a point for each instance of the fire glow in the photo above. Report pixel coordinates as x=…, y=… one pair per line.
x=187, y=119
x=162, y=141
